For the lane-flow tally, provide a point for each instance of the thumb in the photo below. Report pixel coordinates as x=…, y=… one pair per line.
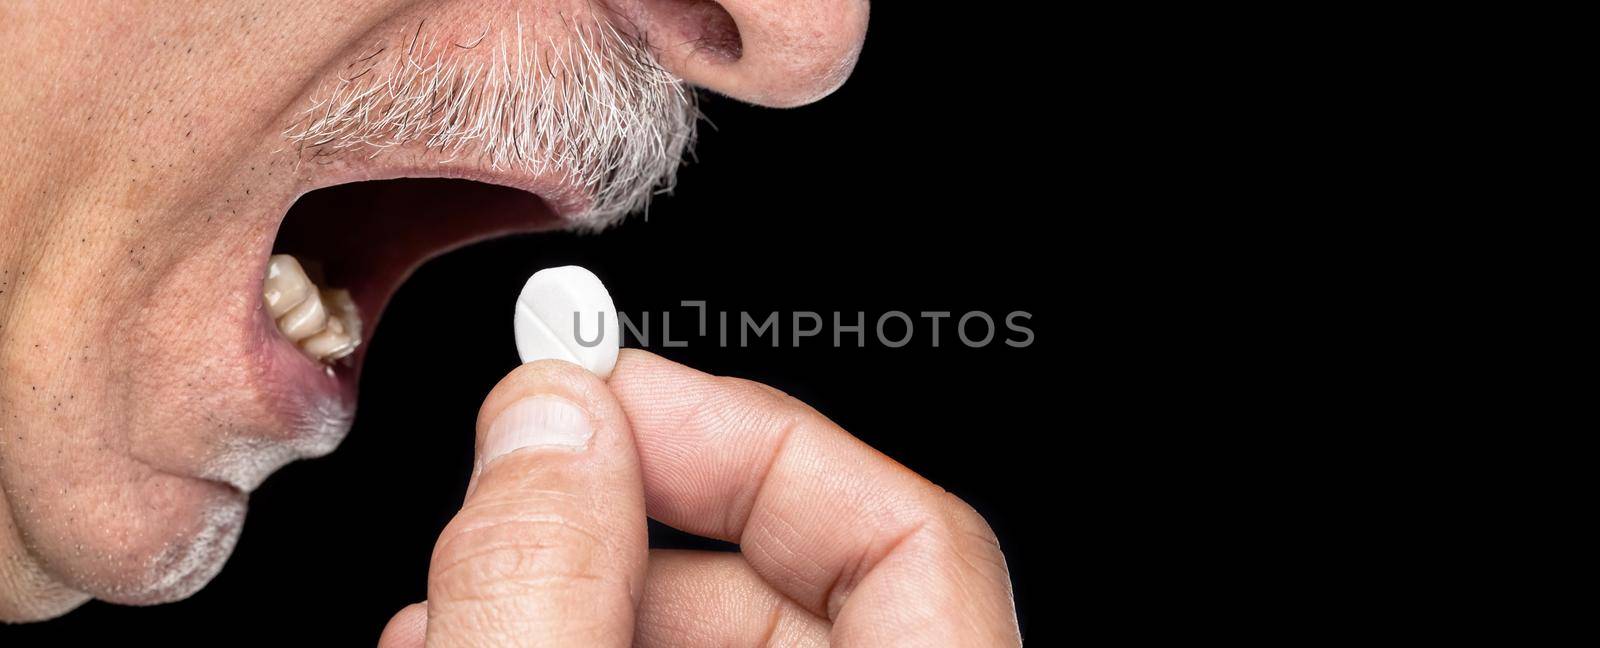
x=549, y=547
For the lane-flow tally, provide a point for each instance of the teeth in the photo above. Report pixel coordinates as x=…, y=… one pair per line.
x=286, y=285
x=342, y=306
x=331, y=344
x=324, y=323
x=305, y=320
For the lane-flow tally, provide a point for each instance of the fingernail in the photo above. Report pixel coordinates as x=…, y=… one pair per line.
x=537, y=422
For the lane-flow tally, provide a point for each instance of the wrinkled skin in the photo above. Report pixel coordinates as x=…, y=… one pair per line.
x=142, y=183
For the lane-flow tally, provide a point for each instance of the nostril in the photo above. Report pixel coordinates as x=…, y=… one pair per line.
x=703, y=26
x=778, y=53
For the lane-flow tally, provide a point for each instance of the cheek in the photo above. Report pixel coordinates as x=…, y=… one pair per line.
x=118, y=530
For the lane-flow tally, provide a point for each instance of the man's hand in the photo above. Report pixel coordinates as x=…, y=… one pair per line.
x=839, y=544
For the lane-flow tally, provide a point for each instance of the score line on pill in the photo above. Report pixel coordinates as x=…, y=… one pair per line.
x=566, y=313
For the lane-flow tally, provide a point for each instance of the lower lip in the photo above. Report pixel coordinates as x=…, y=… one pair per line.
x=300, y=384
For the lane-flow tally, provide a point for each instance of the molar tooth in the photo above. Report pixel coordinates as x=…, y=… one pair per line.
x=286, y=285
x=323, y=323
x=341, y=306
x=331, y=344
x=328, y=347
x=305, y=320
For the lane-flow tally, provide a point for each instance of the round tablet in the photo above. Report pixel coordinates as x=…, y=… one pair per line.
x=565, y=313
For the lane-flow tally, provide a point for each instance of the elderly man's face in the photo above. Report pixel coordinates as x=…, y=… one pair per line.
x=148, y=381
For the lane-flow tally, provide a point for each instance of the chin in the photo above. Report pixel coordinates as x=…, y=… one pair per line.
x=186, y=562
x=156, y=540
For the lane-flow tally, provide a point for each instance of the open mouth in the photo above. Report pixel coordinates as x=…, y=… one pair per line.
x=342, y=251
x=416, y=144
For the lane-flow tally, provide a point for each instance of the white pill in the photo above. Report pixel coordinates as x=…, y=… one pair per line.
x=565, y=313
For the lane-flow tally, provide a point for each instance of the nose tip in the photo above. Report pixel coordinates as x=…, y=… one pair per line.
x=777, y=53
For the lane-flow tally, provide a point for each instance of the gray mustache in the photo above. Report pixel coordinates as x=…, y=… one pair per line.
x=587, y=102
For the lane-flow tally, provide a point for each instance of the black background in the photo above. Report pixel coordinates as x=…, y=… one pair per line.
x=925, y=184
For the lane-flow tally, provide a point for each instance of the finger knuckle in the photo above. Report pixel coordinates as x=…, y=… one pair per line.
x=736, y=406
x=486, y=556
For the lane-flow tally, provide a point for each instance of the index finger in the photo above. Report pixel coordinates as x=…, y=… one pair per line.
x=832, y=523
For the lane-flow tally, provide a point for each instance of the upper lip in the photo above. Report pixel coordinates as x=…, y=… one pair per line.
x=565, y=198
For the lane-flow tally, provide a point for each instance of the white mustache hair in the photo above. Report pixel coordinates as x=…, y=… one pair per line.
x=588, y=102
